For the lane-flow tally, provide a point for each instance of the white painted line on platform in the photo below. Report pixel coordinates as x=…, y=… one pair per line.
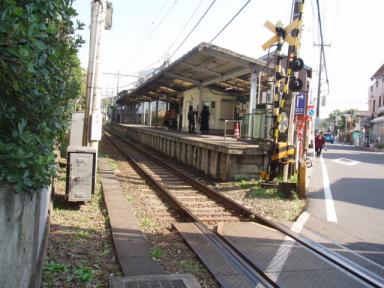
x=282, y=254
x=329, y=205
x=346, y=161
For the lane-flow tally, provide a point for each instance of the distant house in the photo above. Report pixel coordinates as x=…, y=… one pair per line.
x=376, y=105
x=361, y=120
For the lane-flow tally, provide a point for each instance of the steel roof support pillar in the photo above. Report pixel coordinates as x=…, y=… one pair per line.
x=157, y=112
x=201, y=97
x=149, y=113
x=143, y=114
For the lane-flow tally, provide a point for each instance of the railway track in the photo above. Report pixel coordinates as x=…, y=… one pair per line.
x=207, y=208
x=193, y=199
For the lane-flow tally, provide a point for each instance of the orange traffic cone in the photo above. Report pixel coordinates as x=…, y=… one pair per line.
x=237, y=130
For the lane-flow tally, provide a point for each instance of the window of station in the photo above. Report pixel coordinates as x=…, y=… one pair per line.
x=227, y=109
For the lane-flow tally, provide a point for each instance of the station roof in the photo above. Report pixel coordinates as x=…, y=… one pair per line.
x=205, y=65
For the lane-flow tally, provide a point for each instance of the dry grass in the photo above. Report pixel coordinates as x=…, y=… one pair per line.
x=80, y=251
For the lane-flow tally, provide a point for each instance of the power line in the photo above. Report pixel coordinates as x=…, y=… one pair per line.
x=185, y=25
x=185, y=39
x=334, y=24
x=193, y=29
x=177, y=37
x=155, y=29
x=149, y=28
x=162, y=19
x=230, y=21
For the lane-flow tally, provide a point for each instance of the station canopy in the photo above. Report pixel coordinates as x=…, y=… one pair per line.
x=205, y=65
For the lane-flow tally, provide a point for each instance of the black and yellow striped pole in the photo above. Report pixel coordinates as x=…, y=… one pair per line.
x=283, y=152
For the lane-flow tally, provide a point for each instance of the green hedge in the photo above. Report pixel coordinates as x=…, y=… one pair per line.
x=39, y=79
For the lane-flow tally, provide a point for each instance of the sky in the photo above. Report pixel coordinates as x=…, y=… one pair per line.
x=144, y=32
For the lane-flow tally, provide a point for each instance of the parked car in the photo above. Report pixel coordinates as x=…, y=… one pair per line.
x=328, y=137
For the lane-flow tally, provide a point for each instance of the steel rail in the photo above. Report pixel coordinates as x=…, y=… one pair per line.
x=329, y=255
x=252, y=272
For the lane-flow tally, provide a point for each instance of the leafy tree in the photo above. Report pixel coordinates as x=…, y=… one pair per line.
x=39, y=81
x=81, y=101
x=337, y=118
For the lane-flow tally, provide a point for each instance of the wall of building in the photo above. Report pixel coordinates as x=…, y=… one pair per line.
x=221, y=106
x=376, y=97
x=378, y=130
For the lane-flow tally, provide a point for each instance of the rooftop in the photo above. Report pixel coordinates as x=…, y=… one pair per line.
x=205, y=65
x=379, y=73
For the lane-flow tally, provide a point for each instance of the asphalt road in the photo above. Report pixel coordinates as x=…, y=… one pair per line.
x=353, y=214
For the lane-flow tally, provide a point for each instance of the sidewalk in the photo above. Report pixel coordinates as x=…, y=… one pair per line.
x=372, y=149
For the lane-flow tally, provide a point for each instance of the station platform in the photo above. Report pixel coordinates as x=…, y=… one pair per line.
x=219, y=157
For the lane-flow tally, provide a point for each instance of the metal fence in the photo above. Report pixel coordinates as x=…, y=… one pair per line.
x=256, y=126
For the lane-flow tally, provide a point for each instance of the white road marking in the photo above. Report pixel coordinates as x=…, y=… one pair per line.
x=346, y=161
x=329, y=205
x=300, y=222
x=285, y=248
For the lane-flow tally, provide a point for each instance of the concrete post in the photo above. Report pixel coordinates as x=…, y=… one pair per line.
x=96, y=117
x=252, y=100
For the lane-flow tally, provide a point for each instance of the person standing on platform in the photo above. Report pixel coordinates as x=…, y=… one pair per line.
x=319, y=143
x=191, y=120
x=166, y=119
x=172, y=119
x=204, y=120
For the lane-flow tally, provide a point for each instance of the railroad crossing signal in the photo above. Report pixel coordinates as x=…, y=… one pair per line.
x=279, y=31
x=284, y=122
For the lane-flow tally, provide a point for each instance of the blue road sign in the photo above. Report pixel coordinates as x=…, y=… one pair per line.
x=311, y=112
x=300, y=104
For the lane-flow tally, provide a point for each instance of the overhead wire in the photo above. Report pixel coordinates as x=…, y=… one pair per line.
x=322, y=42
x=185, y=39
x=185, y=25
x=177, y=37
x=193, y=29
x=313, y=17
x=149, y=28
x=230, y=21
x=334, y=24
x=162, y=19
x=155, y=29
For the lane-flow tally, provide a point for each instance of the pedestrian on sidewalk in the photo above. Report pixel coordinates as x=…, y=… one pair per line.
x=319, y=143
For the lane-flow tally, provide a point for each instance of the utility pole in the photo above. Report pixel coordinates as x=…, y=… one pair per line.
x=101, y=18
x=322, y=45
